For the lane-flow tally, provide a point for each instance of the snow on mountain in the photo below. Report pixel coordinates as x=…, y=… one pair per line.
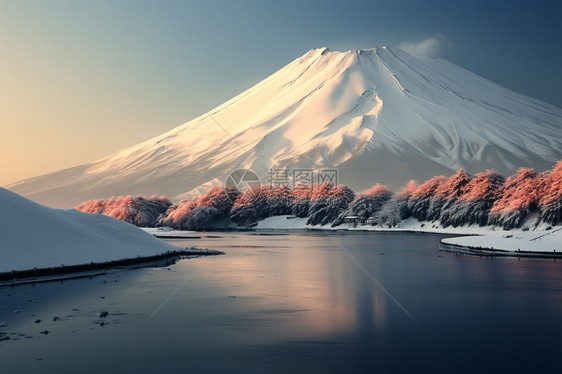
x=35, y=236
x=378, y=115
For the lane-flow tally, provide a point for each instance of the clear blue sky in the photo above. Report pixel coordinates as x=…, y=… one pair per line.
x=77, y=82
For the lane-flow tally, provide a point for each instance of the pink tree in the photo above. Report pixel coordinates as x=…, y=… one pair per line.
x=419, y=201
x=264, y=202
x=327, y=202
x=139, y=210
x=202, y=212
x=550, y=196
x=176, y=216
x=396, y=209
x=446, y=193
x=520, y=195
x=473, y=206
x=365, y=205
x=299, y=198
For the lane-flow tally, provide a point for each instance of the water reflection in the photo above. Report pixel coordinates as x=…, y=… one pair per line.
x=293, y=303
x=308, y=289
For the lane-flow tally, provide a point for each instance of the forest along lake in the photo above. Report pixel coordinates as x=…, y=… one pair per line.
x=294, y=302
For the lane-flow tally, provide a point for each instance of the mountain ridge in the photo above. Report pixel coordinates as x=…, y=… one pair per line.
x=377, y=115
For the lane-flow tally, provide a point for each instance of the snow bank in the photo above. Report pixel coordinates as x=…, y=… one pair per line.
x=168, y=232
x=282, y=223
x=480, y=238
x=36, y=236
x=407, y=225
x=535, y=242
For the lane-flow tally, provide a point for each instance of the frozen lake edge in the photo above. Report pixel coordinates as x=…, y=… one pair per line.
x=41, y=275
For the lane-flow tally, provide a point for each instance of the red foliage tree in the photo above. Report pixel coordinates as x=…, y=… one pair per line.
x=176, y=216
x=365, y=205
x=202, y=212
x=520, y=195
x=260, y=203
x=327, y=202
x=473, y=206
x=409, y=189
x=139, y=210
x=299, y=199
x=446, y=193
x=419, y=201
x=550, y=199
x=396, y=209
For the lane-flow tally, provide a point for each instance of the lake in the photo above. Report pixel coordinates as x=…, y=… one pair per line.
x=320, y=302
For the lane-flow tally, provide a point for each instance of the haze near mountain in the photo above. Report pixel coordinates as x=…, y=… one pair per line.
x=378, y=115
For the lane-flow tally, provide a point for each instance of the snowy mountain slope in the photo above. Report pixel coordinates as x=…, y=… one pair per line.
x=35, y=236
x=378, y=115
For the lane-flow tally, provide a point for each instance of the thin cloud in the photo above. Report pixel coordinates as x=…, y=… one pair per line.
x=428, y=47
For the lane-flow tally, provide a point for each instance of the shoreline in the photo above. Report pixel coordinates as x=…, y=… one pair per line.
x=41, y=275
x=481, y=251
x=531, y=240
x=296, y=230
x=89, y=270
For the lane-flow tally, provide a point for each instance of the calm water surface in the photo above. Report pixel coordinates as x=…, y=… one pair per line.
x=304, y=302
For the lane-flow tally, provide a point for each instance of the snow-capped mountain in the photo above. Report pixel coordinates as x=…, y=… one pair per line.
x=378, y=115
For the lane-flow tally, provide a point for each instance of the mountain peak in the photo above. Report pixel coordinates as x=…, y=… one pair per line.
x=324, y=50
x=375, y=115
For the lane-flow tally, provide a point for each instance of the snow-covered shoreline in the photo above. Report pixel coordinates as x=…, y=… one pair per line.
x=408, y=225
x=474, y=240
x=64, y=272
x=169, y=233
x=486, y=240
x=512, y=243
x=38, y=240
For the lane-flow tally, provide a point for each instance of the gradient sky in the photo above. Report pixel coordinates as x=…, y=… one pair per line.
x=77, y=81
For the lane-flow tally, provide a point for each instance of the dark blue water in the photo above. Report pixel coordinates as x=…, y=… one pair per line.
x=322, y=303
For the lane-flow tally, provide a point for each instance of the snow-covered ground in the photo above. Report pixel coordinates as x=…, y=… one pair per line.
x=411, y=224
x=36, y=236
x=282, y=223
x=475, y=237
x=168, y=232
x=549, y=242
